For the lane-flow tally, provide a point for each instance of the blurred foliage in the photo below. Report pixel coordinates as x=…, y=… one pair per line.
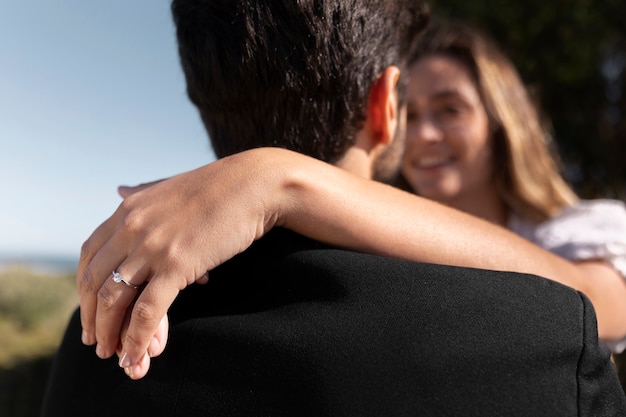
x=572, y=55
x=34, y=310
x=28, y=298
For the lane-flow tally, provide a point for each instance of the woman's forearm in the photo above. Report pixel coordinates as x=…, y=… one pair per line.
x=338, y=208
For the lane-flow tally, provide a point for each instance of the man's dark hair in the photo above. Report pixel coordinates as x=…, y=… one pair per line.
x=290, y=73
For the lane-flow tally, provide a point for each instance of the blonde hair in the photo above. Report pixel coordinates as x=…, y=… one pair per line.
x=526, y=171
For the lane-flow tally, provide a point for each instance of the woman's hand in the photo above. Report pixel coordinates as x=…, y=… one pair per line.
x=126, y=191
x=164, y=238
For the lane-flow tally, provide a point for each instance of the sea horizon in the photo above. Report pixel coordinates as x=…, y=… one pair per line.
x=43, y=262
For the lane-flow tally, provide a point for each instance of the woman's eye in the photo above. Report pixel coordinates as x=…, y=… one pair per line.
x=452, y=110
x=450, y=113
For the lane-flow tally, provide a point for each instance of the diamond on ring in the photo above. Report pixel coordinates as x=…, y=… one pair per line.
x=117, y=277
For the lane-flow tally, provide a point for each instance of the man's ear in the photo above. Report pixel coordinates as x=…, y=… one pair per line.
x=383, y=106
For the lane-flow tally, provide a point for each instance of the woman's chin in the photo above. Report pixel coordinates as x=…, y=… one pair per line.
x=437, y=194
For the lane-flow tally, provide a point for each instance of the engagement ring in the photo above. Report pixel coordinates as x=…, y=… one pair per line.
x=117, y=277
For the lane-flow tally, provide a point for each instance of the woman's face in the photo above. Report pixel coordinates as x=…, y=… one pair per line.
x=448, y=147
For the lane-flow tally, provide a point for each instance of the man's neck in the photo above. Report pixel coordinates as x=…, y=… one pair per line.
x=357, y=161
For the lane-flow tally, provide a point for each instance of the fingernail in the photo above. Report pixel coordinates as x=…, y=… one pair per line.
x=125, y=361
x=154, y=347
x=101, y=352
x=131, y=371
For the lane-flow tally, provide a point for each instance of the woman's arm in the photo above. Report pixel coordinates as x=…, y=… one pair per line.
x=168, y=234
x=340, y=209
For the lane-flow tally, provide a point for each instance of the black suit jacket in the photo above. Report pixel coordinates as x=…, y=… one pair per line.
x=291, y=328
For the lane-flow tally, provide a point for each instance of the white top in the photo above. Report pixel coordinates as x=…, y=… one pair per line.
x=588, y=230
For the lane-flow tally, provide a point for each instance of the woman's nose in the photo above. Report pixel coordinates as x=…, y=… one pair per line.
x=424, y=130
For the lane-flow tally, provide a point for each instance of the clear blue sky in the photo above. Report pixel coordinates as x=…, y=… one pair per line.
x=91, y=97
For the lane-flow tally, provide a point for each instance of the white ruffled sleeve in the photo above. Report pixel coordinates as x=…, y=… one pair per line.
x=589, y=230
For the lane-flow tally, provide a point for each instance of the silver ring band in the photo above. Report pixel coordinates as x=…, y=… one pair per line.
x=117, y=277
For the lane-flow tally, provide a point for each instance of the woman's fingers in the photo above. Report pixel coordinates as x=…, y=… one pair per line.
x=146, y=321
x=114, y=298
x=93, y=270
x=155, y=347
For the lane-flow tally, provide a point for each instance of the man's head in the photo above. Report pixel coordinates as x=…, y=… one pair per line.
x=287, y=73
